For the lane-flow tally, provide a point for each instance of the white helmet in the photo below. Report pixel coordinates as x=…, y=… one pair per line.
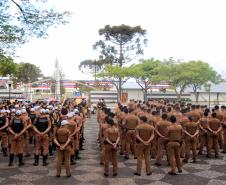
x=32, y=109
x=23, y=111
x=76, y=111
x=46, y=111
x=3, y=111
x=37, y=107
x=8, y=111
x=13, y=110
x=64, y=122
x=42, y=111
x=18, y=112
x=70, y=115
x=50, y=107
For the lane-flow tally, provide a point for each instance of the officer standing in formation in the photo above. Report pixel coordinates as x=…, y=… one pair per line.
x=48, y=127
x=154, y=128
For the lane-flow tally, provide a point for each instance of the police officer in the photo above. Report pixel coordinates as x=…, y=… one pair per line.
x=78, y=120
x=203, y=124
x=214, y=128
x=17, y=129
x=110, y=144
x=144, y=137
x=173, y=147
x=3, y=132
x=103, y=127
x=41, y=128
x=72, y=127
x=130, y=123
x=161, y=131
x=32, y=116
x=191, y=140
x=27, y=120
x=62, y=140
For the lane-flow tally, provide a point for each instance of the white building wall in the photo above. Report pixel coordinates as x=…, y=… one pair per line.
x=204, y=98
x=135, y=94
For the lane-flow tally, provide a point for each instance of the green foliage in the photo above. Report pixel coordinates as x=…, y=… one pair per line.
x=115, y=72
x=20, y=20
x=118, y=75
x=184, y=74
x=175, y=73
x=121, y=44
x=27, y=73
x=200, y=73
x=7, y=66
x=145, y=74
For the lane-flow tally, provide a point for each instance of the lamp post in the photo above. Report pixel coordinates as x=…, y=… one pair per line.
x=209, y=88
x=10, y=85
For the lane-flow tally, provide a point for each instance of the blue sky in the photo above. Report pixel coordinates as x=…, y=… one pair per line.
x=183, y=29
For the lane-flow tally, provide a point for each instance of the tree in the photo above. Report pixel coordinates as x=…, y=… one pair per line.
x=176, y=73
x=20, y=20
x=28, y=73
x=121, y=44
x=144, y=74
x=114, y=73
x=94, y=65
x=200, y=74
x=7, y=66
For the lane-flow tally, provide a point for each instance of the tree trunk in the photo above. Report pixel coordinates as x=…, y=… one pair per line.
x=178, y=95
x=197, y=97
x=218, y=94
x=120, y=90
x=145, y=91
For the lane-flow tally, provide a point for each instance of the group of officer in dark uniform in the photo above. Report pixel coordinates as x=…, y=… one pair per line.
x=46, y=127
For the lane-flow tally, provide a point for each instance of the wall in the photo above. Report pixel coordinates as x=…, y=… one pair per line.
x=204, y=98
x=135, y=94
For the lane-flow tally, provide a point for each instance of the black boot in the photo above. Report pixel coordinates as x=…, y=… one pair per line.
x=44, y=160
x=4, y=151
x=20, y=157
x=11, y=157
x=36, y=160
x=72, y=160
x=50, y=150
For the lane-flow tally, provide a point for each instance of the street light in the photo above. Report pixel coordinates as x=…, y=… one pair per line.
x=209, y=88
x=10, y=85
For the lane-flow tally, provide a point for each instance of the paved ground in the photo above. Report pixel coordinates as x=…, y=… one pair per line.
x=87, y=171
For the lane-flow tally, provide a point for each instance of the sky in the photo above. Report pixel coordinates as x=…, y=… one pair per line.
x=182, y=29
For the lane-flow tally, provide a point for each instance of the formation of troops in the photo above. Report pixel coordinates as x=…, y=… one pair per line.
x=45, y=129
x=145, y=130
x=141, y=130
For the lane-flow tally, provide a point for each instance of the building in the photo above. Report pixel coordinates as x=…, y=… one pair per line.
x=215, y=95
x=7, y=91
